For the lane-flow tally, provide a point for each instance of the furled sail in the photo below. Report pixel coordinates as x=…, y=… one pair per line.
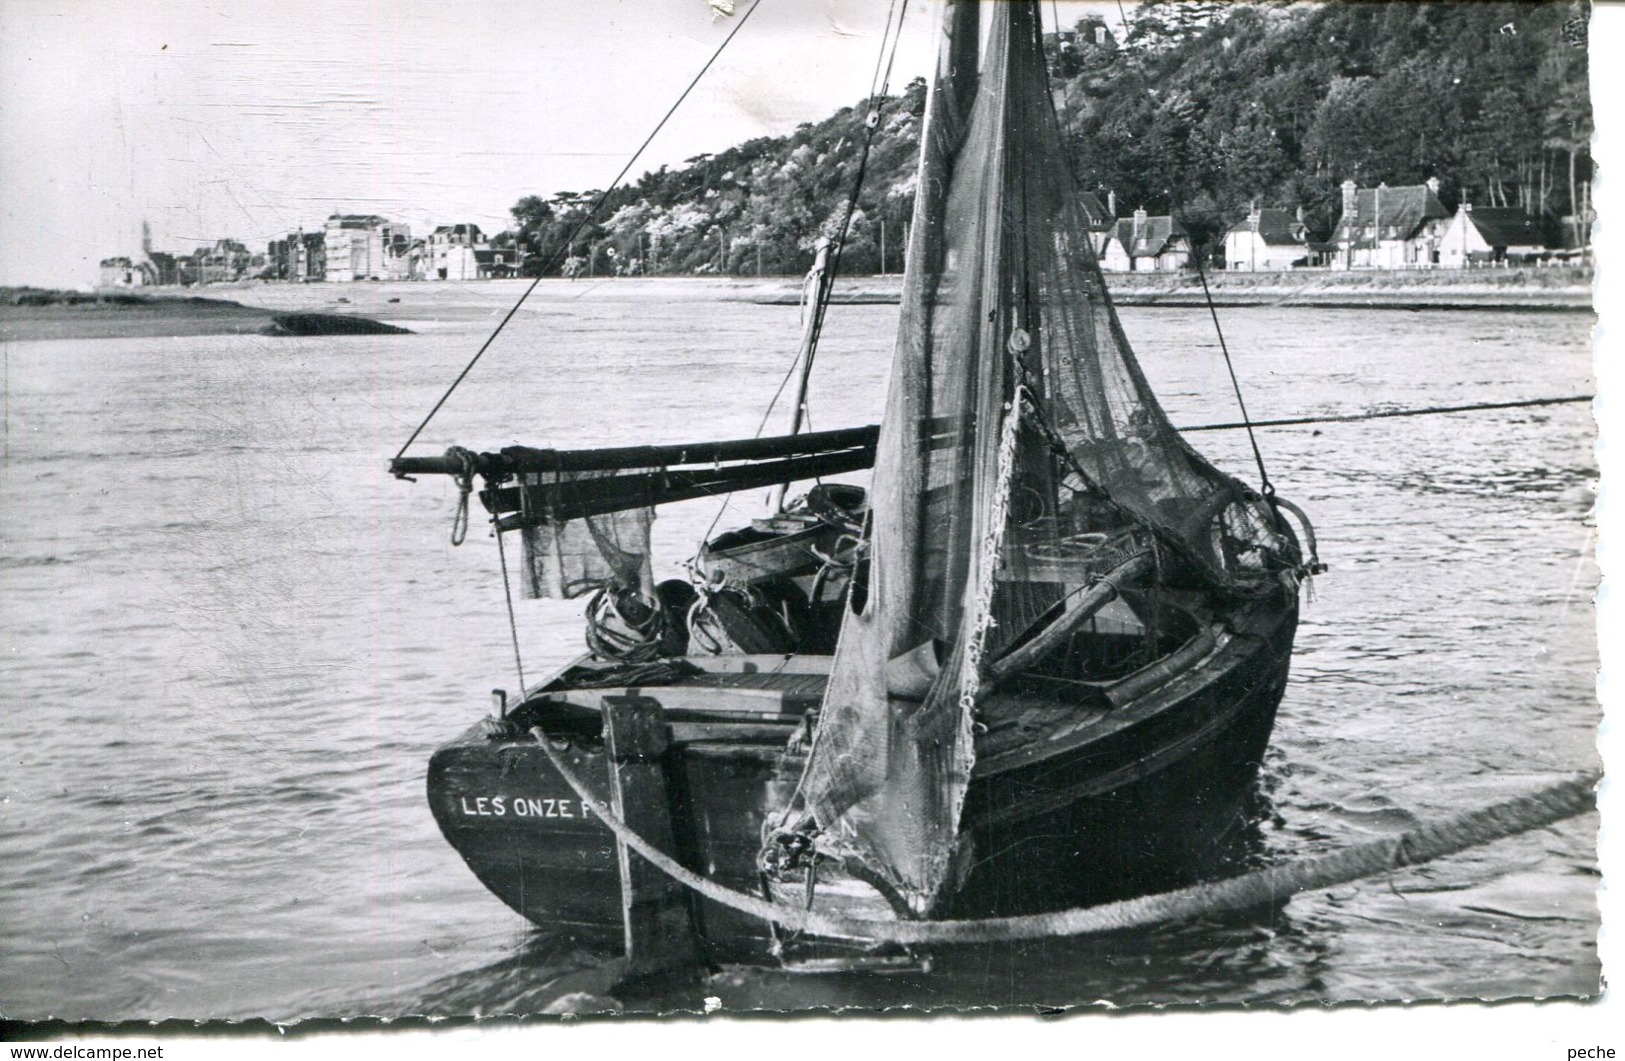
x=1019, y=437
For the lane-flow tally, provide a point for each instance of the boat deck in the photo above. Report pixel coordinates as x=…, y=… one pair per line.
x=782, y=689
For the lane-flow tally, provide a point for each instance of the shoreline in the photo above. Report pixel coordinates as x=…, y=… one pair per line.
x=1512, y=289
x=250, y=308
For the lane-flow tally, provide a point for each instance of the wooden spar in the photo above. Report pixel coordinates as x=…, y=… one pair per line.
x=517, y=459
x=654, y=908
x=1094, y=598
x=577, y=498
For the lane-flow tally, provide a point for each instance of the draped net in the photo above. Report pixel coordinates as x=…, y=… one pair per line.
x=570, y=558
x=1019, y=434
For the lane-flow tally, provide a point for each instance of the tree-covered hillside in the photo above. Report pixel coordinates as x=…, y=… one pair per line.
x=1203, y=108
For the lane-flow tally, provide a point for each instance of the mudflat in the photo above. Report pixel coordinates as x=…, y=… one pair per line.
x=34, y=314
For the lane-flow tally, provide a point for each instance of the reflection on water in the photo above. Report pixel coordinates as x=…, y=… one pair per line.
x=233, y=641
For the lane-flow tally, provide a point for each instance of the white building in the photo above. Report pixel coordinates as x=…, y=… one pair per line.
x=366, y=247
x=1491, y=234
x=1266, y=240
x=1389, y=228
x=1146, y=244
x=451, y=252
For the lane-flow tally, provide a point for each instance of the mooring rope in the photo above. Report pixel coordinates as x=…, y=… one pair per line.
x=1295, y=421
x=1555, y=803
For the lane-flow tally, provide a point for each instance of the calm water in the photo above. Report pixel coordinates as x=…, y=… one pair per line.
x=230, y=642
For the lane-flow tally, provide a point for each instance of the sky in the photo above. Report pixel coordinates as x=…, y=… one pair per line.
x=251, y=120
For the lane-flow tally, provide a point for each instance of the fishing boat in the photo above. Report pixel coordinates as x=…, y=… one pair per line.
x=1033, y=666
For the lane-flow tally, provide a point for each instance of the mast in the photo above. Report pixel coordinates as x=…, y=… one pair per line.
x=815, y=291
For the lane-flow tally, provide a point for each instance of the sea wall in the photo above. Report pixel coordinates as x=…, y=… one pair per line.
x=1520, y=288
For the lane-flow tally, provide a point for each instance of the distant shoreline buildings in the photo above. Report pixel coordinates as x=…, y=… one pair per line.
x=1402, y=227
x=347, y=248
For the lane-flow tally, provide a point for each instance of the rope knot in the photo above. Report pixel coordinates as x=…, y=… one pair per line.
x=465, y=486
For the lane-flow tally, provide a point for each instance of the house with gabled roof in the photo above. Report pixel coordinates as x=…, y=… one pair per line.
x=1266, y=239
x=1389, y=228
x=1146, y=244
x=164, y=271
x=496, y=263
x=222, y=262
x=1493, y=234
x=451, y=251
x=1100, y=219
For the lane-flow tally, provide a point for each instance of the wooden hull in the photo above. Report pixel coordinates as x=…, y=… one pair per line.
x=1149, y=796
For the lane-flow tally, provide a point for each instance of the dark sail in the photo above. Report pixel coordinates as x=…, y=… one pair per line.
x=1020, y=439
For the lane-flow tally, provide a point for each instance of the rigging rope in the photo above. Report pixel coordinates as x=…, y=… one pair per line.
x=586, y=219
x=879, y=86
x=1294, y=421
x=1265, y=486
x=513, y=623
x=1566, y=799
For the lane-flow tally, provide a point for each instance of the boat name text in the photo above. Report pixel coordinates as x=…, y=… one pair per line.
x=522, y=807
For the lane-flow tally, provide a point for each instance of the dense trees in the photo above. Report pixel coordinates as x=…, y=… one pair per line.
x=1202, y=108
x=1281, y=103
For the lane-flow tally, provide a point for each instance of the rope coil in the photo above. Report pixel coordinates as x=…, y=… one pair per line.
x=622, y=626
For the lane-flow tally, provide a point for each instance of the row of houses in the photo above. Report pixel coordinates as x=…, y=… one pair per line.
x=368, y=247
x=1405, y=227
x=347, y=247
x=224, y=259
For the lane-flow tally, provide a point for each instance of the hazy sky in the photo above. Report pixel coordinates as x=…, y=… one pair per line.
x=250, y=120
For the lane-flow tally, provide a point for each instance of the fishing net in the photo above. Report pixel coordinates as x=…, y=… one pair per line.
x=1021, y=448
x=569, y=558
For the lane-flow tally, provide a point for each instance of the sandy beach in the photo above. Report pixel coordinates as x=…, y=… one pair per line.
x=128, y=318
